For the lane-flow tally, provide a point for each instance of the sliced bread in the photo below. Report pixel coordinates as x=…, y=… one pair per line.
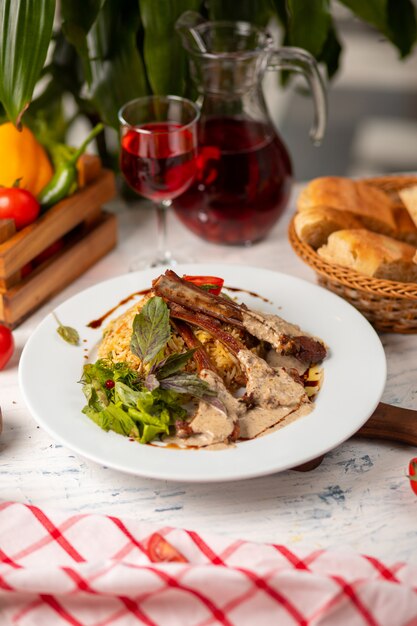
x=370, y=205
x=371, y=254
x=313, y=226
x=409, y=197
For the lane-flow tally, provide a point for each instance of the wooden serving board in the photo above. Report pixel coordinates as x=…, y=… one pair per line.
x=85, y=231
x=388, y=422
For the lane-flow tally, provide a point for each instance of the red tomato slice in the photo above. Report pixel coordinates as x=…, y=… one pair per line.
x=18, y=205
x=6, y=345
x=160, y=551
x=412, y=474
x=212, y=284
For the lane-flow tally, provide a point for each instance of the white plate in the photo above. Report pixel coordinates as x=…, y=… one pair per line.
x=354, y=379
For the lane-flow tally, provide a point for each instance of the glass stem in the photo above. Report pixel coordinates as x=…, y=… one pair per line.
x=164, y=255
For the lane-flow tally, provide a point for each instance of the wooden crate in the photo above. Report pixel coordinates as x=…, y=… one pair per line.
x=86, y=233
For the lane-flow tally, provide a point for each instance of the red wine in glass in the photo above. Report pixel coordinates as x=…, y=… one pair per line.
x=159, y=164
x=242, y=184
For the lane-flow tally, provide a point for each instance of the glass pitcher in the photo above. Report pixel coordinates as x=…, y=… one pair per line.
x=244, y=171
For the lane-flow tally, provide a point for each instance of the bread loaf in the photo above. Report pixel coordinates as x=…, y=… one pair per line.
x=368, y=204
x=313, y=226
x=371, y=254
x=406, y=229
x=409, y=197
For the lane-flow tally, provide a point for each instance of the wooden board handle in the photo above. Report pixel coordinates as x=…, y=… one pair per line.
x=387, y=422
x=391, y=422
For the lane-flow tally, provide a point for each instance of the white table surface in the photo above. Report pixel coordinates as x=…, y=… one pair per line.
x=359, y=497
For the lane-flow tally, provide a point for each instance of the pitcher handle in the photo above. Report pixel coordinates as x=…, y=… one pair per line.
x=299, y=60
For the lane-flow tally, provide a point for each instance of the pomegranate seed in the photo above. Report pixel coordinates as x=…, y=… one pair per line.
x=109, y=384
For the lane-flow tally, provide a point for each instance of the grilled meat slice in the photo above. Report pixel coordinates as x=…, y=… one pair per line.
x=285, y=338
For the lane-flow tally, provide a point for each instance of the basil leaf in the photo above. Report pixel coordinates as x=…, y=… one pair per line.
x=151, y=330
x=151, y=382
x=70, y=335
x=187, y=383
x=173, y=363
x=216, y=402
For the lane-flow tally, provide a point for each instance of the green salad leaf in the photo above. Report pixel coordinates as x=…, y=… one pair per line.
x=138, y=404
x=117, y=400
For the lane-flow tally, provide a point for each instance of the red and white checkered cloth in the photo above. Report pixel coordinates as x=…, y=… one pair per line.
x=93, y=570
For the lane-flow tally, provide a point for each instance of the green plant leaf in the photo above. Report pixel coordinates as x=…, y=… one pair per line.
x=257, y=12
x=25, y=34
x=403, y=27
x=308, y=24
x=151, y=330
x=165, y=58
x=395, y=19
x=117, y=70
x=187, y=383
x=331, y=51
x=78, y=16
x=173, y=363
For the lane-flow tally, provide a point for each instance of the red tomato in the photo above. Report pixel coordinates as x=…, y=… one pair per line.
x=159, y=550
x=49, y=252
x=18, y=205
x=6, y=345
x=412, y=474
x=213, y=284
x=26, y=270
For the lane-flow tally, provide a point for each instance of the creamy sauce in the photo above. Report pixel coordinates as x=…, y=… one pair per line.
x=276, y=360
x=210, y=425
x=268, y=327
x=269, y=388
x=304, y=409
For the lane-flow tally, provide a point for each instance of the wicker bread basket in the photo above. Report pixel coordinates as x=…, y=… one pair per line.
x=390, y=306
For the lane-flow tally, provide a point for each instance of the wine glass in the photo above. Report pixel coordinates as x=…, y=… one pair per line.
x=158, y=158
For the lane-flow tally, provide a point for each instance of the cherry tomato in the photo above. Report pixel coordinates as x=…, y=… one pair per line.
x=159, y=550
x=18, y=205
x=6, y=345
x=213, y=284
x=412, y=474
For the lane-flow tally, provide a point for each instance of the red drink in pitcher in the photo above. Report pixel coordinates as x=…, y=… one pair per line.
x=159, y=165
x=242, y=185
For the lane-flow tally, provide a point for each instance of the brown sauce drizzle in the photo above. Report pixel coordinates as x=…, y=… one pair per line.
x=98, y=322
x=250, y=293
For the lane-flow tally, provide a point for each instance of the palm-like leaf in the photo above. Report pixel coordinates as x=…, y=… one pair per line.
x=25, y=33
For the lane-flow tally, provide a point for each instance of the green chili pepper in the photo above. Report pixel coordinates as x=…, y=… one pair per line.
x=64, y=181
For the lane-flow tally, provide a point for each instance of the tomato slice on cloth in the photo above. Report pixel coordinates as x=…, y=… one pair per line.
x=160, y=550
x=212, y=284
x=18, y=205
x=412, y=474
x=6, y=345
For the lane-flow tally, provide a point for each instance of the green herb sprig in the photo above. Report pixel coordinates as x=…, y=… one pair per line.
x=151, y=333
